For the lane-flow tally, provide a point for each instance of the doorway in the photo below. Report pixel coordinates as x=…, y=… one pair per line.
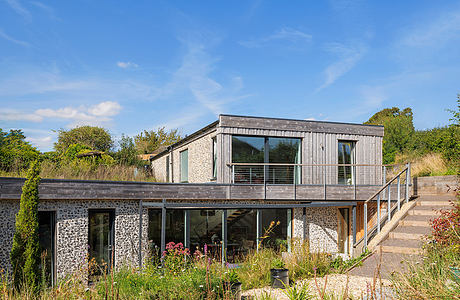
x=344, y=230
x=101, y=236
x=46, y=237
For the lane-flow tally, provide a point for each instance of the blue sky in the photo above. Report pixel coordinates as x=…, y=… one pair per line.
x=135, y=65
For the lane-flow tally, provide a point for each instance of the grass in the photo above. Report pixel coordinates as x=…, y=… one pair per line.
x=431, y=164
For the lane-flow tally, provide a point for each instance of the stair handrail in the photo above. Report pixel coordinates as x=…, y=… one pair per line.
x=377, y=194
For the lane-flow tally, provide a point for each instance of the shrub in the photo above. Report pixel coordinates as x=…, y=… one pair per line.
x=25, y=252
x=445, y=229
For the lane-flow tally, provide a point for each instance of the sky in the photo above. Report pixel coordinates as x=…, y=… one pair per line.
x=130, y=66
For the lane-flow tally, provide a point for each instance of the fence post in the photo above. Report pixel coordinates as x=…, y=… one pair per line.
x=389, y=202
x=407, y=182
x=365, y=226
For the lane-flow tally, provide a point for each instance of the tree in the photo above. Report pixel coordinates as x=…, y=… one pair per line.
x=15, y=153
x=399, y=129
x=127, y=154
x=97, y=138
x=25, y=252
x=149, y=141
x=455, y=114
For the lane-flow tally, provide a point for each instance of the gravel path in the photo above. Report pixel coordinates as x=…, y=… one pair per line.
x=358, y=287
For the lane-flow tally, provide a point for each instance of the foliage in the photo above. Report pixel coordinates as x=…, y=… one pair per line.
x=15, y=153
x=432, y=278
x=298, y=292
x=149, y=141
x=231, y=275
x=455, y=114
x=127, y=152
x=255, y=269
x=302, y=263
x=445, y=229
x=341, y=265
x=278, y=263
x=399, y=129
x=96, y=138
x=25, y=252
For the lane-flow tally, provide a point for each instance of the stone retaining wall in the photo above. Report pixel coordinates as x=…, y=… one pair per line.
x=435, y=184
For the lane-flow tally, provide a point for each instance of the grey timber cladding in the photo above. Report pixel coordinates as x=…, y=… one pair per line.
x=298, y=125
x=56, y=189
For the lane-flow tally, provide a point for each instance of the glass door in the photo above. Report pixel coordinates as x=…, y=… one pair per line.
x=101, y=239
x=344, y=230
x=46, y=236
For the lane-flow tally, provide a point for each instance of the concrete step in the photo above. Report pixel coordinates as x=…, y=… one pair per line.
x=419, y=217
x=413, y=229
x=414, y=223
x=423, y=212
x=400, y=250
x=436, y=197
x=433, y=203
x=408, y=243
x=406, y=236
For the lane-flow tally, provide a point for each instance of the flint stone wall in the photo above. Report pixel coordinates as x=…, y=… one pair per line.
x=72, y=231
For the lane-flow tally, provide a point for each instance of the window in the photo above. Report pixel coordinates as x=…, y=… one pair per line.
x=46, y=236
x=247, y=149
x=346, y=155
x=184, y=166
x=101, y=236
x=343, y=230
x=214, y=158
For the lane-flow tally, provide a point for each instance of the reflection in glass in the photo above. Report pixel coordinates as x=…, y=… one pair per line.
x=174, y=228
x=248, y=149
x=279, y=235
x=241, y=232
x=101, y=237
x=206, y=228
x=284, y=150
x=46, y=227
x=344, y=230
x=345, y=156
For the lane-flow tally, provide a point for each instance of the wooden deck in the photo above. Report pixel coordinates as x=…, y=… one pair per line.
x=60, y=189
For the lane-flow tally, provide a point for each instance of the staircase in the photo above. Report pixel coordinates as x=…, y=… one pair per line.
x=404, y=242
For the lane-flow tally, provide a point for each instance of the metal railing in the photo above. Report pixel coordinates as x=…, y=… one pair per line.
x=389, y=207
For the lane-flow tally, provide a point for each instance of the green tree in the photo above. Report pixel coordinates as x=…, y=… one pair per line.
x=455, y=114
x=96, y=138
x=15, y=153
x=399, y=129
x=149, y=141
x=25, y=252
x=127, y=153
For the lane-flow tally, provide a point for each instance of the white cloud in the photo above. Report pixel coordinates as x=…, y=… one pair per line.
x=126, y=65
x=19, y=9
x=11, y=39
x=349, y=56
x=96, y=114
x=287, y=34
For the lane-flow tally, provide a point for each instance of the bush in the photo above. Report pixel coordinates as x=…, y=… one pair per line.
x=25, y=252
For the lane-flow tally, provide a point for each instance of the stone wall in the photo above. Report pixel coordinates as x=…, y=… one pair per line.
x=199, y=161
x=72, y=231
x=321, y=228
x=435, y=185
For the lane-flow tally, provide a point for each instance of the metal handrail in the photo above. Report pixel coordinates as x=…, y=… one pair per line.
x=389, y=208
x=386, y=185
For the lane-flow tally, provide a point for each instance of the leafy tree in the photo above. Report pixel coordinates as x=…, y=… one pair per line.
x=399, y=129
x=25, y=252
x=127, y=153
x=96, y=138
x=455, y=114
x=149, y=141
x=15, y=153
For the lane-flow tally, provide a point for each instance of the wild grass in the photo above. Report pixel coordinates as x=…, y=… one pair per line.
x=431, y=164
x=83, y=171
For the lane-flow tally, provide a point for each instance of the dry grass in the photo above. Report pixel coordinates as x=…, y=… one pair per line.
x=431, y=164
x=87, y=172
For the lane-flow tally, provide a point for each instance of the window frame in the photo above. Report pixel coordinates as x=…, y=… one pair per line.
x=353, y=144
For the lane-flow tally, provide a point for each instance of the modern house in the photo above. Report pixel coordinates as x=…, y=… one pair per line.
x=221, y=186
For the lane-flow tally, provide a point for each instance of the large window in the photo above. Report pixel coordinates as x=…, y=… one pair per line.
x=247, y=149
x=241, y=232
x=101, y=238
x=175, y=227
x=346, y=155
x=206, y=228
x=275, y=223
x=46, y=234
x=184, y=166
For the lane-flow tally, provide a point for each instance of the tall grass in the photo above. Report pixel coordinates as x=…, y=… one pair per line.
x=431, y=164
